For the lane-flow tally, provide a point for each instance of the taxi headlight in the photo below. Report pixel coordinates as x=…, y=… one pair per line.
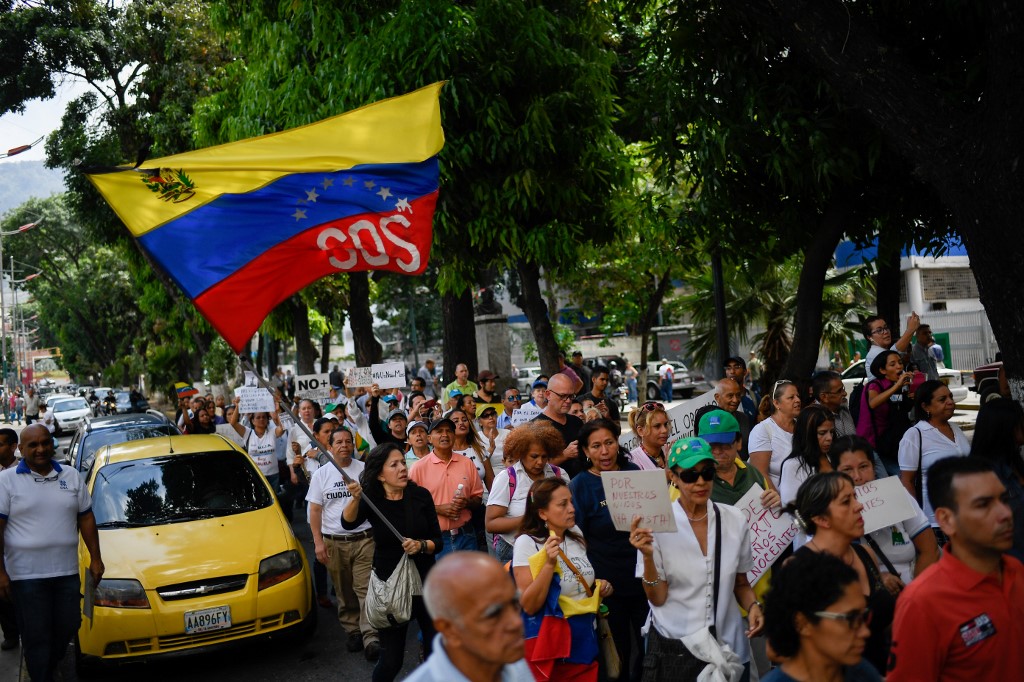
x=121, y=594
x=278, y=568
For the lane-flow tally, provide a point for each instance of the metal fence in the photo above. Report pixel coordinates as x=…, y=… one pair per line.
x=971, y=342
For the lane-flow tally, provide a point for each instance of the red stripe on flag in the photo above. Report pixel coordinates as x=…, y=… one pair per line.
x=397, y=242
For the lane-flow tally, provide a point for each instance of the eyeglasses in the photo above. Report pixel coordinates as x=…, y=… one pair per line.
x=563, y=396
x=854, y=618
x=840, y=391
x=691, y=475
x=651, y=406
x=879, y=330
x=515, y=398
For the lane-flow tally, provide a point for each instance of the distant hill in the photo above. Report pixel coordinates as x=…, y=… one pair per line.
x=21, y=180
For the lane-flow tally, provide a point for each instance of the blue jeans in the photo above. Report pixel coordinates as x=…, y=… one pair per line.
x=631, y=387
x=49, y=614
x=464, y=541
x=666, y=390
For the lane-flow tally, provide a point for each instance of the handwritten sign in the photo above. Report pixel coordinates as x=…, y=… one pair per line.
x=885, y=502
x=313, y=386
x=681, y=422
x=360, y=376
x=771, y=532
x=254, y=400
x=639, y=493
x=389, y=374
x=527, y=412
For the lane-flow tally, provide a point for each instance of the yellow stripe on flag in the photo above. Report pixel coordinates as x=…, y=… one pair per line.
x=397, y=130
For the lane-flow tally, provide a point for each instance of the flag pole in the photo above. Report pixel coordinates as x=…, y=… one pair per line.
x=247, y=365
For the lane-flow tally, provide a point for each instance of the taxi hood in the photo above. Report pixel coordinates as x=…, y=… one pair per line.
x=192, y=550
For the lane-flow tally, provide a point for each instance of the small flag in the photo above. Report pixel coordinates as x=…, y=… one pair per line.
x=185, y=390
x=242, y=226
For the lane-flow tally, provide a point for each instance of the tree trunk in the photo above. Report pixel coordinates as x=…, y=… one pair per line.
x=325, y=350
x=659, y=289
x=261, y=348
x=807, y=324
x=531, y=302
x=459, y=333
x=887, y=284
x=273, y=356
x=304, y=353
x=368, y=349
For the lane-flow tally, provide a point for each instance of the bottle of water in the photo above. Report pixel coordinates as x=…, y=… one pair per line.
x=458, y=492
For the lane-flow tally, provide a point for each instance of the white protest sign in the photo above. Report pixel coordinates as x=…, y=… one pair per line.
x=771, y=532
x=360, y=376
x=313, y=386
x=681, y=422
x=249, y=380
x=527, y=412
x=254, y=400
x=639, y=493
x=885, y=502
x=389, y=374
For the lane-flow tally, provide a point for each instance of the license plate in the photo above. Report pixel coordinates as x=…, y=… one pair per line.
x=217, y=618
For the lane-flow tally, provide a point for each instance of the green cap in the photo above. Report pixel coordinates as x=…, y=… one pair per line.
x=718, y=426
x=687, y=453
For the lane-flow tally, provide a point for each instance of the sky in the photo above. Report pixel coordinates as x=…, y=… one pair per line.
x=39, y=119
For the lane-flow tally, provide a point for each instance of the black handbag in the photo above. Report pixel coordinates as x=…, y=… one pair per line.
x=668, y=660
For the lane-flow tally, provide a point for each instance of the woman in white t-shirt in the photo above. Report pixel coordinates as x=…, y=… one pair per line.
x=491, y=437
x=771, y=440
x=550, y=542
x=932, y=438
x=260, y=441
x=531, y=447
x=909, y=546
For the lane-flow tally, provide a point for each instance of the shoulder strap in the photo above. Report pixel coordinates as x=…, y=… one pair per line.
x=558, y=472
x=718, y=566
x=881, y=555
x=920, y=455
x=869, y=566
x=579, y=576
x=511, y=483
x=247, y=439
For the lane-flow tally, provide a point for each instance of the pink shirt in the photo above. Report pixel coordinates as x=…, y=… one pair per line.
x=639, y=457
x=442, y=479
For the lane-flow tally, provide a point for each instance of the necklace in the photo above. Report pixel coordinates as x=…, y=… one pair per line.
x=697, y=519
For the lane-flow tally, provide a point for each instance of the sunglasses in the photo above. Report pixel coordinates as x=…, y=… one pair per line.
x=691, y=475
x=780, y=382
x=651, y=406
x=854, y=619
x=513, y=398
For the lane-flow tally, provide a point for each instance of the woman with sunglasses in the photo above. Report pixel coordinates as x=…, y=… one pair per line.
x=816, y=621
x=650, y=423
x=812, y=439
x=695, y=577
x=826, y=509
x=904, y=547
x=490, y=436
x=771, y=440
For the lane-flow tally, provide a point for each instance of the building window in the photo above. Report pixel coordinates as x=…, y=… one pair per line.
x=945, y=284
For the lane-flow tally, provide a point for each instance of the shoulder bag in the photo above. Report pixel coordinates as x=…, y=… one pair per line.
x=389, y=602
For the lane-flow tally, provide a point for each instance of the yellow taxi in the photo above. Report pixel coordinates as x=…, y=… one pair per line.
x=198, y=554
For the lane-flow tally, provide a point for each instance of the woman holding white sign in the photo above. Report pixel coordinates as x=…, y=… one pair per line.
x=260, y=442
x=683, y=574
x=904, y=547
x=771, y=440
x=827, y=509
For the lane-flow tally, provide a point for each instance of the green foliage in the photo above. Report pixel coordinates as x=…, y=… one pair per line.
x=565, y=337
x=220, y=362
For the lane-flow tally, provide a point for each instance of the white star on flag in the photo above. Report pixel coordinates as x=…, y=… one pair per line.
x=311, y=195
x=384, y=193
x=403, y=205
x=299, y=214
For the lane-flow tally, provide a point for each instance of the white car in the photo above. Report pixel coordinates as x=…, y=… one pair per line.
x=68, y=414
x=54, y=397
x=853, y=375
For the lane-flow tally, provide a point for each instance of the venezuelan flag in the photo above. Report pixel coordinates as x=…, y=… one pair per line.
x=242, y=226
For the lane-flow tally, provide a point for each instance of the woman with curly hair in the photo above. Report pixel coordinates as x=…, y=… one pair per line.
x=816, y=620
x=531, y=447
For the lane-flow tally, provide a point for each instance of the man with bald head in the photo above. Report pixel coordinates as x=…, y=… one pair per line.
x=728, y=396
x=475, y=609
x=560, y=394
x=43, y=508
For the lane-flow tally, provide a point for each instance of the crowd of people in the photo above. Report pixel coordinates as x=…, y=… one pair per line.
x=504, y=522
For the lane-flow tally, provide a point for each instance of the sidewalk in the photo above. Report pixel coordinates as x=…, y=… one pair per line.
x=10, y=665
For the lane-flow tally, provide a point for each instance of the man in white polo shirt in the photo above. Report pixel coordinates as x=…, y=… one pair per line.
x=42, y=508
x=347, y=554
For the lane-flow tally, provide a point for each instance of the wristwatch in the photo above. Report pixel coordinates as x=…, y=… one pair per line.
x=423, y=546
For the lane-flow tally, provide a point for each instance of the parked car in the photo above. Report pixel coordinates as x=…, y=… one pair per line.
x=684, y=382
x=54, y=397
x=986, y=379
x=124, y=403
x=98, y=432
x=856, y=372
x=68, y=414
x=198, y=553
x=524, y=380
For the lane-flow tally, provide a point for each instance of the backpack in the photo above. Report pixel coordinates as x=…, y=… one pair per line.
x=854, y=400
x=511, y=493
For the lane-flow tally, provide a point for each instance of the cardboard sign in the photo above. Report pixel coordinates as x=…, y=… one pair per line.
x=771, y=532
x=360, y=376
x=389, y=374
x=313, y=386
x=527, y=412
x=254, y=400
x=885, y=502
x=681, y=422
x=639, y=493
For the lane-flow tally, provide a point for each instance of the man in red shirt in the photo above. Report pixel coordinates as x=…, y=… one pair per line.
x=961, y=619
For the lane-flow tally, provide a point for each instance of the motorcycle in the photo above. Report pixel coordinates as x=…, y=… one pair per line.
x=622, y=393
